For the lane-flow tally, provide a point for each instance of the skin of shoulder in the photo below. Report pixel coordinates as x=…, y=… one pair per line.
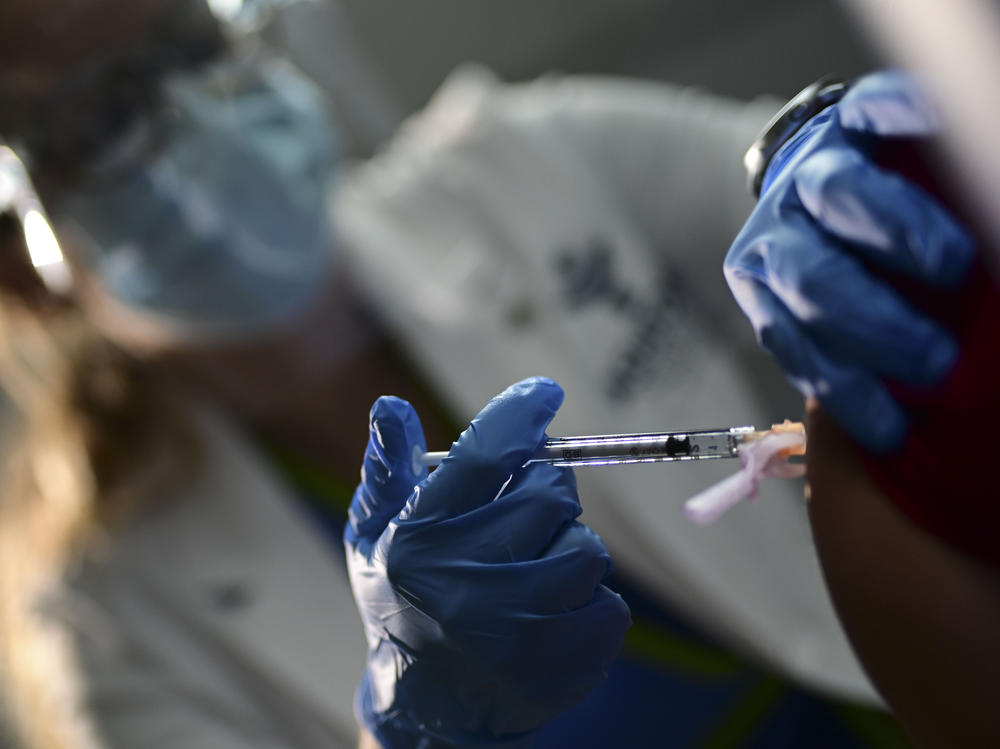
x=922, y=617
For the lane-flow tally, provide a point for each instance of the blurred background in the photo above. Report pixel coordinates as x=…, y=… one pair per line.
x=400, y=52
x=381, y=60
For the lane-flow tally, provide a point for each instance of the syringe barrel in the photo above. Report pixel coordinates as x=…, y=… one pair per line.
x=619, y=449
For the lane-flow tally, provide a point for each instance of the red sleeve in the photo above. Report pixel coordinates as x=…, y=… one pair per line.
x=946, y=477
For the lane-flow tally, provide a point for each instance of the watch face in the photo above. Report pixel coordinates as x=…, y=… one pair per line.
x=807, y=103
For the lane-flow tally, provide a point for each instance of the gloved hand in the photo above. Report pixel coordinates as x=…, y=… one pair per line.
x=479, y=592
x=797, y=270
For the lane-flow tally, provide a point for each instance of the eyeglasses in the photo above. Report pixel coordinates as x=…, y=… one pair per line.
x=19, y=201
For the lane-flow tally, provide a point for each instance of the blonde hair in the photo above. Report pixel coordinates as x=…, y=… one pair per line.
x=93, y=434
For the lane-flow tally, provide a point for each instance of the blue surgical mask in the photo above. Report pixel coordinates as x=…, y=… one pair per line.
x=220, y=232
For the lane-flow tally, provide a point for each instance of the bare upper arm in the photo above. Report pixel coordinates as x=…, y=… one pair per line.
x=923, y=618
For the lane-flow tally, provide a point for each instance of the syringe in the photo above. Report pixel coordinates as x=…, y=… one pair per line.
x=621, y=449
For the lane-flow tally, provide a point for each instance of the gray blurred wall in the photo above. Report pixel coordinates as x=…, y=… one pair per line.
x=406, y=47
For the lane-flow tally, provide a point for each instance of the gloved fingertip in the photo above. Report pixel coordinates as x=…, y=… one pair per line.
x=941, y=358
x=626, y=609
x=957, y=256
x=889, y=103
x=880, y=427
x=512, y=425
x=605, y=554
x=546, y=389
x=389, y=407
x=785, y=345
x=618, y=611
x=609, y=565
x=395, y=430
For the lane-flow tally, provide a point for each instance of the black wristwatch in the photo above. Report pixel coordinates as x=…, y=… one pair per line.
x=802, y=107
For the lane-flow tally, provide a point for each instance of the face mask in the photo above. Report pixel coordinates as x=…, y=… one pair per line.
x=220, y=233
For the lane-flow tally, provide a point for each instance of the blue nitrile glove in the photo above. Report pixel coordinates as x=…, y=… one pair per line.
x=479, y=592
x=796, y=267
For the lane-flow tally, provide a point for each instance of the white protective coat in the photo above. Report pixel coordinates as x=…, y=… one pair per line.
x=222, y=617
